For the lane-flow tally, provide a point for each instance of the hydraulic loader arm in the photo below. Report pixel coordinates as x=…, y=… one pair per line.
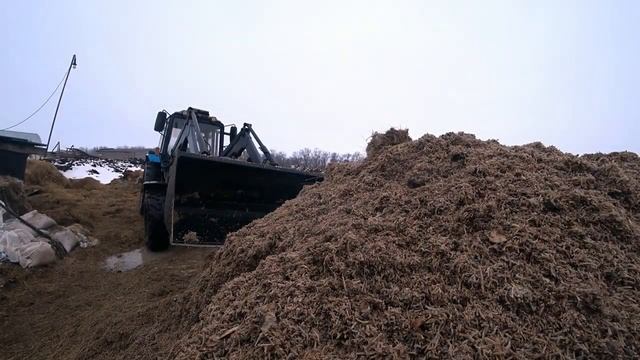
x=242, y=141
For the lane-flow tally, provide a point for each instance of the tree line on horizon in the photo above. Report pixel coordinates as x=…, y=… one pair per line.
x=304, y=159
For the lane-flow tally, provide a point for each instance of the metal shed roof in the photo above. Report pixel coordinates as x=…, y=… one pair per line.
x=17, y=135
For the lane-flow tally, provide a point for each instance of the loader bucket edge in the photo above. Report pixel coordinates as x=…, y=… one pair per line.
x=209, y=197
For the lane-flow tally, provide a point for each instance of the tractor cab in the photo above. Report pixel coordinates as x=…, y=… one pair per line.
x=209, y=139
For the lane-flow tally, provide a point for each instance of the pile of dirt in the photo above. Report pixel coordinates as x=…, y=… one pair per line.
x=133, y=176
x=12, y=194
x=43, y=173
x=391, y=137
x=85, y=183
x=439, y=247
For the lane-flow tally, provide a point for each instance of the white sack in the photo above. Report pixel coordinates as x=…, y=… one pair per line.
x=40, y=221
x=37, y=253
x=10, y=244
x=66, y=237
x=13, y=225
x=25, y=236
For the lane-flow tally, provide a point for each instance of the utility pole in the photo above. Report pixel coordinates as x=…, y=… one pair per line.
x=71, y=65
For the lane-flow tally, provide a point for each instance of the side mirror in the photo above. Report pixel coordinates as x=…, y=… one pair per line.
x=161, y=119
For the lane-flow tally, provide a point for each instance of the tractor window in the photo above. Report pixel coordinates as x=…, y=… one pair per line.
x=175, y=130
x=211, y=135
x=161, y=142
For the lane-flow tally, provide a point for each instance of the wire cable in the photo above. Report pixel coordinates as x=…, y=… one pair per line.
x=39, y=108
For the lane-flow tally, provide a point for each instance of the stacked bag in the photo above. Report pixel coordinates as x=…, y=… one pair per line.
x=21, y=244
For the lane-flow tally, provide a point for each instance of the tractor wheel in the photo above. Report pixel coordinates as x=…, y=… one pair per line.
x=156, y=237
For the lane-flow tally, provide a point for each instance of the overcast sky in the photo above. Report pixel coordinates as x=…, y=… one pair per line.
x=327, y=74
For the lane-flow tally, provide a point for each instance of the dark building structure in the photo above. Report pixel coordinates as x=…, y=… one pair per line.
x=15, y=148
x=122, y=154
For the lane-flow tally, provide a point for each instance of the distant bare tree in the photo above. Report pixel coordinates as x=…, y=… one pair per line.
x=304, y=159
x=127, y=147
x=312, y=160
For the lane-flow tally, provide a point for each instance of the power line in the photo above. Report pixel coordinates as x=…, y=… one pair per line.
x=41, y=106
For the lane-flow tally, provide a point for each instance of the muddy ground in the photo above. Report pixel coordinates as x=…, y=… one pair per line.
x=54, y=312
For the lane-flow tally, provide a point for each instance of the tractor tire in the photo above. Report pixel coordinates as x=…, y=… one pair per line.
x=156, y=237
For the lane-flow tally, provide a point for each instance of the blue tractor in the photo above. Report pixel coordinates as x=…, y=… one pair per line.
x=203, y=182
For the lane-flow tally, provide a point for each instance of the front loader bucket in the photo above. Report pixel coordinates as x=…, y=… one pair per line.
x=212, y=196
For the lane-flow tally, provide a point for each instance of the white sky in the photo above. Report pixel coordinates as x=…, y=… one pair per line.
x=327, y=74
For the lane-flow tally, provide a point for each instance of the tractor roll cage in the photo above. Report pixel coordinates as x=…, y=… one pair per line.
x=204, y=135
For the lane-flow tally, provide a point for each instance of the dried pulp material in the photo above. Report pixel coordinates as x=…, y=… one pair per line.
x=12, y=194
x=43, y=173
x=439, y=247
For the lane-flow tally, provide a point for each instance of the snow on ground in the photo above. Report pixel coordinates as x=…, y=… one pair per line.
x=102, y=170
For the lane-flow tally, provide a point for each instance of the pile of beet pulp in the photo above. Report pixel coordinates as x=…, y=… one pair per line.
x=446, y=246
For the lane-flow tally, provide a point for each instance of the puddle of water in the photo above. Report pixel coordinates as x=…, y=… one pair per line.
x=133, y=259
x=125, y=261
